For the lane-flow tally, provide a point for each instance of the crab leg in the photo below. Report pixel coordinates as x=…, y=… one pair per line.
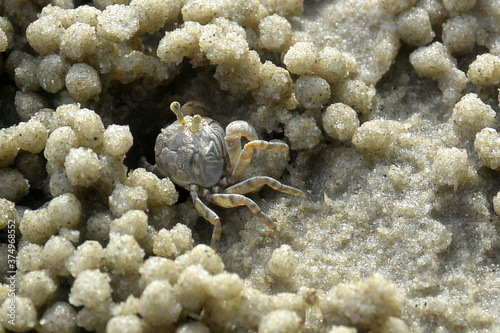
x=255, y=183
x=235, y=200
x=208, y=215
x=143, y=163
x=246, y=156
x=234, y=132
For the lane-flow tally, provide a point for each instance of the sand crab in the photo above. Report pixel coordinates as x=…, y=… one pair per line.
x=197, y=154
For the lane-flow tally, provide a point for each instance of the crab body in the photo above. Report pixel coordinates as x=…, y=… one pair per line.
x=197, y=154
x=188, y=157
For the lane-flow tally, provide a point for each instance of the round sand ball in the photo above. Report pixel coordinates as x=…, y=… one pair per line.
x=191, y=288
x=397, y=6
x=65, y=211
x=205, y=256
x=50, y=73
x=275, y=33
x=414, y=27
x=311, y=91
x=431, y=61
x=303, y=132
x=79, y=41
x=157, y=304
x=223, y=42
x=127, y=307
x=60, y=184
x=470, y=114
x=372, y=137
x=153, y=14
x=485, y=70
x=158, y=268
x=182, y=237
x=125, y=198
x=36, y=227
x=460, y=6
x=8, y=31
x=201, y=11
x=174, y=242
x=82, y=166
x=60, y=141
x=459, y=34
x=90, y=288
x=93, y=320
x=332, y=65
x=60, y=317
x=340, y=121
x=58, y=8
x=8, y=213
x=125, y=324
x=28, y=103
x=8, y=147
x=31, y=136
x=283, y=262
x=65, y=115
x=161, y=192
x=436, y=10
x=87, y=14
x=53, y=169
x=181, y=42
x=30, y=258
x=71, y=235
x=117, y=140
x=89, y=255
x=123, y=255
x=280, y=321
x=15, y=59
x=98, y=226
x=164, y=245
x=286, y=8
x=117, y=23
x=132, y=67
x=25, y=314
x=301, y=58
x=112, y=172
x=240, y=79
x=225, y=286
x=25, y=74
x=133, y=222
x=89, y=129
x=496, y=203
x=487, y=147
x=38, y=286
x=14, y=186
x=56, y=252
x=194, y=327
x=275, y=84
x=450, y=166
x=43, y=116
x=83, y=82
x=357, y=95
x=4, y=41
x=44, y=34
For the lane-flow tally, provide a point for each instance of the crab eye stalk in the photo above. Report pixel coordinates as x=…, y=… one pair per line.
x=176, y=108
x=195, y=126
